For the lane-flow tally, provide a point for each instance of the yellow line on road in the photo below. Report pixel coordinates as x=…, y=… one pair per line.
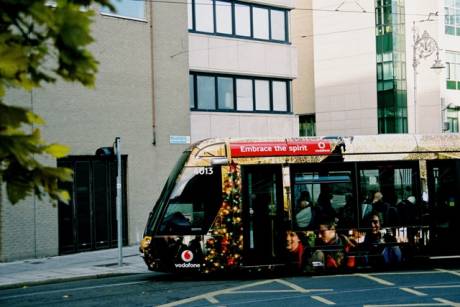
x=437, y=287
x=212, y=300
x=449, y=271
x=322, y=300
x=412, y=291
x=376, y=279
x=449, y=303
x=214, y=293
x=406, y=305
x=298, y=288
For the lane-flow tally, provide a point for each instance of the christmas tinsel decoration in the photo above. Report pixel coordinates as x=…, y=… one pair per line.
x=226, y=242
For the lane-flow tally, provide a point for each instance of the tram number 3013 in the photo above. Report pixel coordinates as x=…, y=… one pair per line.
x=204, y=171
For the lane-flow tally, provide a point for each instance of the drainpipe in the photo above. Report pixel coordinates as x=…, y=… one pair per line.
x=152, y=71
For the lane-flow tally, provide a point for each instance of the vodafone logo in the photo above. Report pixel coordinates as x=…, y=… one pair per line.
x=187, y=256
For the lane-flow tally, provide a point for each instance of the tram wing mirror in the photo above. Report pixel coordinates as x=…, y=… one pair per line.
x=105, y=152
x=219, y=161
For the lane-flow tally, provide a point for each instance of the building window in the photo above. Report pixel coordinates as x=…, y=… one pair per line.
x=224, y=93
x=244, y=95
x=452, y=17
x=127, y=8
x=307, y=125
x=234, y=18
x=223, y=17
x=453, y=70
x=205, y=91
x=391, y=72
x=452, y=119
x=204, y=16
x=210, y=92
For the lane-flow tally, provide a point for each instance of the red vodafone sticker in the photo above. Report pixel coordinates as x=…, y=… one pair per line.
x=187, y=255
x=280, y=148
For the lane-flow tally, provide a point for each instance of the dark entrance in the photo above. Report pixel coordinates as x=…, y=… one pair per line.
x=89, y=221
x=263, y=215
x=444, y=203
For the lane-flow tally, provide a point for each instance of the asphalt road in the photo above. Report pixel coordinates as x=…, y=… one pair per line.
x=433, y=287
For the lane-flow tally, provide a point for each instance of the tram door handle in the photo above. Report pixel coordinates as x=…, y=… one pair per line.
x=251, y=228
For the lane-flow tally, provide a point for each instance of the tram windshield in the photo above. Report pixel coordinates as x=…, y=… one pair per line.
x=194, y=201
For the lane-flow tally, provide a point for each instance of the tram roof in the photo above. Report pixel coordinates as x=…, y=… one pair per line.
x=314, y=149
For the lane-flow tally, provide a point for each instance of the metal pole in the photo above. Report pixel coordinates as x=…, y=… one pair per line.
x=118, y=201
x=414, y=65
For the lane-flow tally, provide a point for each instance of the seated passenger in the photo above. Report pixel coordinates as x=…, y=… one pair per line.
x=380, y=241
x=330, y=252
x=305, y=214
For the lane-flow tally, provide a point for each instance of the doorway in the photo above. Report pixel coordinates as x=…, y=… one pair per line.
x=88, y=221
x=263, y=215
x=444, y=206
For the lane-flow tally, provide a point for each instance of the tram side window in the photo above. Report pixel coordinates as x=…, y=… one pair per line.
x=389, y=191
x=323, y=196
x=194, y=202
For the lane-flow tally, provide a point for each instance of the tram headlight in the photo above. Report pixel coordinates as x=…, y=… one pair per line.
x=145, y=243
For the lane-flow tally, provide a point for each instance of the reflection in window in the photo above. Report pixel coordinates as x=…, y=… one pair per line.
x=191, y=87
x=328, y=194
x=206, y=93
x=279, y=96
x=242, y=20
x=225, y=93
x=240, y=94
x=278, y=25
x=204, y=15
x=244, y=95
x=260, y=21
x=223, y=17
x=194, y=202
x=127, y=8
x=262, y=95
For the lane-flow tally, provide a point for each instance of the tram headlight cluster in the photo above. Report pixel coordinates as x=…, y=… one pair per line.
x=145, y=243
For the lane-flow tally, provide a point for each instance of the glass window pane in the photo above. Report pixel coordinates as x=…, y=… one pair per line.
x=278, y=25
x=279, y=96
x=190, y=15
x=191, y=87
x=244, y=95
x=260, y=22
x=387, y=71
x=242, y=20
x=223, y=17
x=262, y=95
x=206, y=93
x=127, y=8
x=225, y=93
x=194, y=202
x=204, y=16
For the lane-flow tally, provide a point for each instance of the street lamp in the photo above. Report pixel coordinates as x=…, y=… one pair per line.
x=424, y=46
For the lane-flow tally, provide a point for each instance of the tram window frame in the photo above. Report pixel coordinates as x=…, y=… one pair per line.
x=197, y=210
x=317, y=169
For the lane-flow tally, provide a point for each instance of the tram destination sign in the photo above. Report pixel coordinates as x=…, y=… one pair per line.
x=280, y=148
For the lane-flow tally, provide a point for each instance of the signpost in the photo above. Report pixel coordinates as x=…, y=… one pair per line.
x=118, y=202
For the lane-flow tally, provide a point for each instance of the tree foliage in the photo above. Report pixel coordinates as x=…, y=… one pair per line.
x=41, y=41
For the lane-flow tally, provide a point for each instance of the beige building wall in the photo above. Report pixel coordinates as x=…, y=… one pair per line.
x=345, y=68
x=303, y=93
x=124, y=103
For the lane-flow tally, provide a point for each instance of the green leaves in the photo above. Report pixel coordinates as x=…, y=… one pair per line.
x=39, y=43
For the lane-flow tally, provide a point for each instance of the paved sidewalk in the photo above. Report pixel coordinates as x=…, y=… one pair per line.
x=92, y=264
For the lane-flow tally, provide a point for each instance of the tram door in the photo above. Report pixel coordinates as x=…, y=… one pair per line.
x=263, y=212
x=444, y=203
